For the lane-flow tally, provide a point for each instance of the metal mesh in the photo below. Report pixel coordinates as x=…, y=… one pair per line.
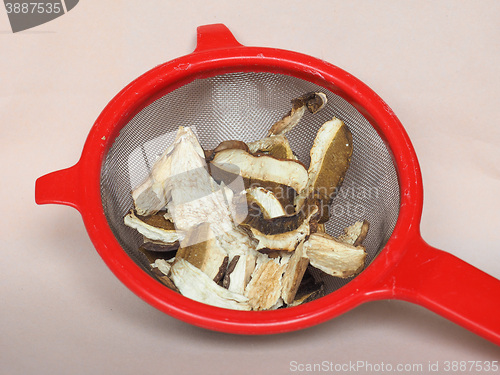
x=243, y=106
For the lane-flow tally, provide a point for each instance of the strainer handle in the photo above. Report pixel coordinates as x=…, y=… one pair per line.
x=216, y=36
x=448, y=286
x=59, y=187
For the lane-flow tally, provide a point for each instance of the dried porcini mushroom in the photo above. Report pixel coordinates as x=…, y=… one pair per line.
x=152, y=232
x=334, y=257
x=309, y=289
x=195, y=284
x=204, y=251
x=313, y=102
x=356, y=233
x=240, y=226
x=287, y=241
x=294, y=273
x=264, y=289
x=330, y=159
x=226, y=145
x=264, y=168
x=276, y=146
x=151, y=196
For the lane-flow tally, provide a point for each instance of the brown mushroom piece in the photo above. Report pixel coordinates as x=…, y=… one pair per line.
x=267, y=215
x=313, y=102
x=334, y=257
x=330, y=158
x=309, y=289
x=226, y=145
x=276, y=146
x=166, y=234
x=151, y=246
x=161, y=269
x=356, y=233
x=286, y=241
x=204, y=252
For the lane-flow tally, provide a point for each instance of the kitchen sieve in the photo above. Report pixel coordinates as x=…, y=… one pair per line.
x=225, y=90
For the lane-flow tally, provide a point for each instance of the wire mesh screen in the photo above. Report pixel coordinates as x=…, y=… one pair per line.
x=243, y=106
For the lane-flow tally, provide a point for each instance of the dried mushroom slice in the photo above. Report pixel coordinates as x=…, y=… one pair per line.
x=313, y=102
x=239, y=243
x=264, y=168
x=294, y=272
x=330, y=158
x=161, y=269
x=195, y=197
x=163, y=266
x=165, y=279
x=280, y=224
x=309, y=290
x=158, y=220
x=317, y=227
x=195, y=284
x=152, y=195
x=160, y=250
x=204, y=252
x=167, y=236
x=158, y=246
x=334, y=257
x=227, y=145
x=287, y=241
x=240, y=274
x=356, y=233
x=264, y=289
x=265, y=201
x=267, y=215
x=226, y=281
x=276, y=146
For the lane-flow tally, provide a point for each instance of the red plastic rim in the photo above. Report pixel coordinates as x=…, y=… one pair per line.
x=218, y=53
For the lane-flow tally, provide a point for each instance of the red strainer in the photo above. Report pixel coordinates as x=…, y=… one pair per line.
x=228, y=91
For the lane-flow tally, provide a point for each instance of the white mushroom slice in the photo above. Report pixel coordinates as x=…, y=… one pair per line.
x=294, y=272
x=356, y=233
x=152, y=232
x=204, y=252
x=239, y=242
x=163, y=266
x=195, y=196
x=277, y=305
x=311, y=101
x=267, y=201
x=152, y=196
x=263, y=168
x=195, y=284
x=287, y=241
x=264, y=289
x=334, y=257
x=275, y=145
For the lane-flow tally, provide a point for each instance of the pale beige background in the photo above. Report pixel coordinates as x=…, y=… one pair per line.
x=436, y=63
